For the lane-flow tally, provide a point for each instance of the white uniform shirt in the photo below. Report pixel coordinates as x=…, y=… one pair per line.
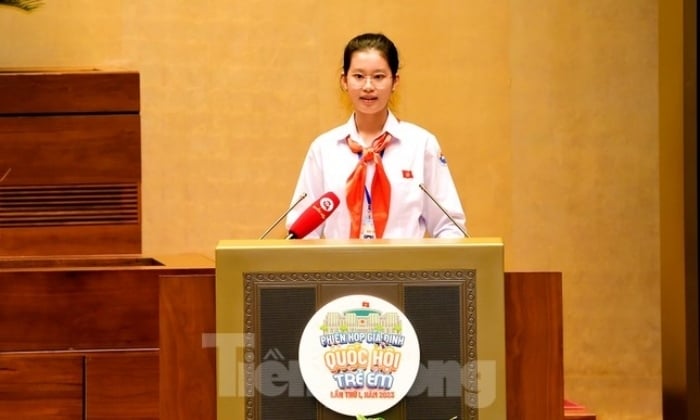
x=413, y=157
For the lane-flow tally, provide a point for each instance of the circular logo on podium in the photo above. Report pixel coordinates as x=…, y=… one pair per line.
x=359, y=355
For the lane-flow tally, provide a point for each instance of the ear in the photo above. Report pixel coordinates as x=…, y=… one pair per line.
x=395, y=82
x=344, y=82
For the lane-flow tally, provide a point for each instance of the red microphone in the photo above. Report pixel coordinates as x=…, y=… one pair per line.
x=313, y=216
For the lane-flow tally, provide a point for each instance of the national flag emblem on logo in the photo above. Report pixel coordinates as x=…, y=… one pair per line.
x=365, y=304
x=407, y=174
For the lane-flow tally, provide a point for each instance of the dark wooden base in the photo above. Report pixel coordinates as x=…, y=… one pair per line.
x=106, y=337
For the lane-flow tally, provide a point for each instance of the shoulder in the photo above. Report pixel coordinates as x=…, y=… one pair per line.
x=416, y=134
x=330, y=137
x=406, y=130
x=339, y=132
x=414, y=130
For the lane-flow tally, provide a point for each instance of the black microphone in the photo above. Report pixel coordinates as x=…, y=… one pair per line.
x=279, y=219
x=454, y=222
x=314, y=216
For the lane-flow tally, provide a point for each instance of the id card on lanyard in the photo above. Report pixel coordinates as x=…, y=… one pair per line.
x=367, y=231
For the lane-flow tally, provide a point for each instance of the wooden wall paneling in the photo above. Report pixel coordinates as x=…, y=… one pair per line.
x=70, y=240
x=73, y=262
x=70, y=155
x=104, y=313
x=121, y=385
x=71, y=149
x=187, y=365
x=534, y=346
x=41, y=387
x=579, y=416
x=76, y=309
x=56, y=91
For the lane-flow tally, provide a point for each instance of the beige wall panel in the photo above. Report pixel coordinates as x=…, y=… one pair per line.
x=62, y=33
x=585, y=148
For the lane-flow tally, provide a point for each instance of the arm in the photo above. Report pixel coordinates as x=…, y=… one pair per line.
x=439, y=182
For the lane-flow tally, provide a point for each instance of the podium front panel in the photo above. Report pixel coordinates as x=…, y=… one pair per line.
x=450, y=290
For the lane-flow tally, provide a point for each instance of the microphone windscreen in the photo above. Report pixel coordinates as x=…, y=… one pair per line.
x=314, y=215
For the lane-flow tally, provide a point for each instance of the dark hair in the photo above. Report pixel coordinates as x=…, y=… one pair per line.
x=372, y=41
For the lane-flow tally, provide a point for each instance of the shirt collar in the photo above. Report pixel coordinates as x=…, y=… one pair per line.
x=391, y=125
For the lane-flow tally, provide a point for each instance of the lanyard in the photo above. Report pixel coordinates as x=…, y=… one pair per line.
x=367, y=195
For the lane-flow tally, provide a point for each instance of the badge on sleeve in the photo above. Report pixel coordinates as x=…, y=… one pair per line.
x=443, y=159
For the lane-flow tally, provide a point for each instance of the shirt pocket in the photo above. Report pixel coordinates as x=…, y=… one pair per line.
x=406, y=200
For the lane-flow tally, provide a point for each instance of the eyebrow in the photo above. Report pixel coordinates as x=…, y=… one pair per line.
x=370, y=72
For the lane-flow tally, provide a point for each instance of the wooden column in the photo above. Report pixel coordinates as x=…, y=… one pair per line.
x=534, y=346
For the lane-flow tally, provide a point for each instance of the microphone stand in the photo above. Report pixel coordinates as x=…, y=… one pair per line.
x=454, y=222
x=279, y=219
x=2, y=178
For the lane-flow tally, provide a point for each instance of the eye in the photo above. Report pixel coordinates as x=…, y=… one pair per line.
x=358, y=76
x=379, y=77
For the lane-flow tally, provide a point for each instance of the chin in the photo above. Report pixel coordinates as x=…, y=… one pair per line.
x=369, y=109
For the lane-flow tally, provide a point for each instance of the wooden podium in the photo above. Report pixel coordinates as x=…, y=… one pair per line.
x=451, y=290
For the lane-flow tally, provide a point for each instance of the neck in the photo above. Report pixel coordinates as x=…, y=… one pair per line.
x=370, y=126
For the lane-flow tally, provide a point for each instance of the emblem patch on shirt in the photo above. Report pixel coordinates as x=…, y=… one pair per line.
x=443, y=159
x=407, y=174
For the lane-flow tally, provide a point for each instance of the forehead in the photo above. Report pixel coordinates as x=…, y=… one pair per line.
x=368, y=60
